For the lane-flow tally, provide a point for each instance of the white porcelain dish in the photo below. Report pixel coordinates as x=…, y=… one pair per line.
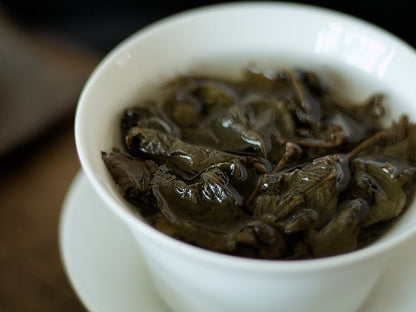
x=100, y=257
x=94, y=243
x=222, y=39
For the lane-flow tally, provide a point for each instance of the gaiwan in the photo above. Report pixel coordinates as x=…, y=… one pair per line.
x=273, y=166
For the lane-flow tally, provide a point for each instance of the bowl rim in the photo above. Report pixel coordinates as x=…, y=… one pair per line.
x=260, y=265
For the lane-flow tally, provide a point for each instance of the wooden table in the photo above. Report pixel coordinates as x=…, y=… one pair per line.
x=33, y=184
x=41, y=78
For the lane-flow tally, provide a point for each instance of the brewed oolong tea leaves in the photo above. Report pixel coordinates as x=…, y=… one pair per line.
x=273, y=165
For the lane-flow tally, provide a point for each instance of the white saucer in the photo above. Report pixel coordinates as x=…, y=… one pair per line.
x=108, y=273
x=100, y=256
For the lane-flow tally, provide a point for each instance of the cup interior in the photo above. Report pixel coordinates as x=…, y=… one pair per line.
x=357, y=58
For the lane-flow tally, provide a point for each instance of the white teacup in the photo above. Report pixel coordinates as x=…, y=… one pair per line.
x=222, y=39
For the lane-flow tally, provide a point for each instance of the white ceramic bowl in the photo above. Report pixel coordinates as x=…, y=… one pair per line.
x=222, y=39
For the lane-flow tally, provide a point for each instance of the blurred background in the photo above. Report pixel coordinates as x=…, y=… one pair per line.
x=100, y=25
x=46, y=43
x=47, y=51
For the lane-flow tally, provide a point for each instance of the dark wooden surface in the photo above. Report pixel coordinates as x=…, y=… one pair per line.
x=33, y=184
x=38, y=161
